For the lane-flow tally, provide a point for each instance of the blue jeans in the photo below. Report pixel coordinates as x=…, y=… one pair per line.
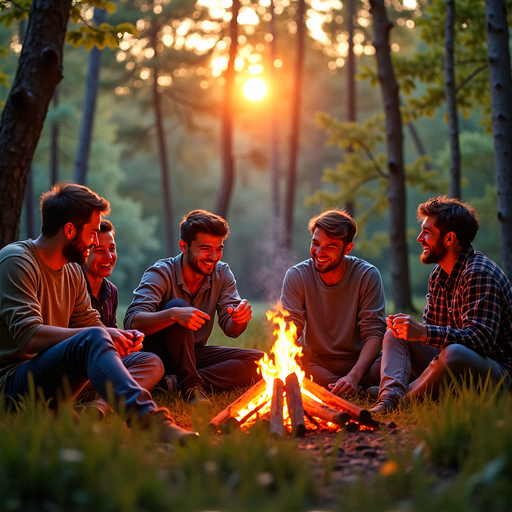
x=67, y=366
x=413, y=369
x=218, y=368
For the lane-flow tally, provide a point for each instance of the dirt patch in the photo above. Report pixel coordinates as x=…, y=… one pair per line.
x=360, y=454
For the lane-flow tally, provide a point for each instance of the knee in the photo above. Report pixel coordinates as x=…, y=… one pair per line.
x=390, y=339
x=97, y=336
x=153, y=363
x=176, y=303
x=454, y=356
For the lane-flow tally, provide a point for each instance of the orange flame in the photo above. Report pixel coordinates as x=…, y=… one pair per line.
x=285, y=354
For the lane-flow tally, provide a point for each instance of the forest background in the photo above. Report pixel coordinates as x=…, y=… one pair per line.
x=185, y=68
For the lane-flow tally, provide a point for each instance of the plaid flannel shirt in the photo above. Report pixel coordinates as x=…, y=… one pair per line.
x=472, y=306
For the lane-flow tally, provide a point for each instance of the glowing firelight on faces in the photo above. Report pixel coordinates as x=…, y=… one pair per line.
x=255, y=89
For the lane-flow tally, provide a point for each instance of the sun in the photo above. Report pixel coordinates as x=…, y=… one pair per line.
x=255, y=89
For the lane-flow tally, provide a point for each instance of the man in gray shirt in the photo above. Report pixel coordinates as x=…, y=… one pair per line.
x=337, y=303
x=175, y=304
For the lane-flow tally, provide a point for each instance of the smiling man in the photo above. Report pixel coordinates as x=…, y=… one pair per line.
x=337, y=304
x=175, y=304
x=48, y=330
x=145, y=368
x=467, y=322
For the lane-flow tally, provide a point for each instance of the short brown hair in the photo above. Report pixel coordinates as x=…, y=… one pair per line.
x=451, y=215
x=201, y=221
x=107, y=227
x=336, y=223
x=69, y=202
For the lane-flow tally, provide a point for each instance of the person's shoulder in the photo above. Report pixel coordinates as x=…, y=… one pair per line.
x=357, y=264
x=16, y=249
x=22, y=249
x=478, y=262
x=304, y=267
x=222, y=270
x=109, y=285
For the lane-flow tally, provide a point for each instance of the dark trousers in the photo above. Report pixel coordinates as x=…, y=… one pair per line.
x=325, y=370
x=66, y=367
x=218, y=368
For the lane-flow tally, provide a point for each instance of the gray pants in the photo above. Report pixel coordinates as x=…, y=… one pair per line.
x=412, y=368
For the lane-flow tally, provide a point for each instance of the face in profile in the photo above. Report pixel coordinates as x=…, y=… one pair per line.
x=77, y=249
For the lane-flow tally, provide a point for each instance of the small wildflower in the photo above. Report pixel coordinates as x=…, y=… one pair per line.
x=265, y=478
x=71, y=455
x=273, y=451
x=210, y=467
x=388, y=468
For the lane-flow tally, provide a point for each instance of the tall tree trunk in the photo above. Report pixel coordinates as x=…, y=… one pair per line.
x=228, y=165
x=89, y=107
x=296, y=103
x=30, y=217
x=501, y=98
x=39, y=71
x=394, y=136
x=351, y=81
x=275, y=194
x=162, y=152
x=451, y=99
x=54, y=145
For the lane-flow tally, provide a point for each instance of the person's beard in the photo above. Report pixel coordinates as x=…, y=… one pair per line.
x=194, y=263
x=332, y=266
x=75, y=250
x=434, y=254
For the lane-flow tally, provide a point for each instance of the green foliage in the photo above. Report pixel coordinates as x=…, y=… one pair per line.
x=463, y=461
x=361, y=179
x=427, y=65
x=55, y=463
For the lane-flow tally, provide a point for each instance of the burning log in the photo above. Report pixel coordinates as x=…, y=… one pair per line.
x=240, y=403
x=295, y=408
x=325, y=412
x=276, y=409
x=362, y=416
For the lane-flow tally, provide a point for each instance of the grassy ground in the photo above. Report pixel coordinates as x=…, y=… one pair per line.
x=459, y=458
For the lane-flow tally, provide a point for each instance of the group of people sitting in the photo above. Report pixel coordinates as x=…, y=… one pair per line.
x=58, y=314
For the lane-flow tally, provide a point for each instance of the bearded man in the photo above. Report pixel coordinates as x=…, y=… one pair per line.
x=337, y=302
x=175, y=304
x=467, y=322
x=48, y=330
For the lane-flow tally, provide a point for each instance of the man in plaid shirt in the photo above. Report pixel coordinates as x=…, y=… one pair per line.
x=467, y=322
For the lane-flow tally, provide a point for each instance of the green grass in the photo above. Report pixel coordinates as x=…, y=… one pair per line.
x=458, y=457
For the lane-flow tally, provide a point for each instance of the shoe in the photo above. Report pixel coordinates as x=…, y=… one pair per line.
x=168, y=431
x=385, y=404
x=372, y=392
x=167, y=383
x=96, y=409
x=196, y=396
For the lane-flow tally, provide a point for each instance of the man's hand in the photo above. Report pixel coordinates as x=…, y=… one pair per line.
x=406, y=327
x=126, y=342
x=345, y=386
x=191, y=318
x=242, y=314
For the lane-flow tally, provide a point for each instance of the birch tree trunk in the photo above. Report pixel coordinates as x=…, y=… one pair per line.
x=38, y=73
x=451, y=99
x=501, y=100
x=394, y=136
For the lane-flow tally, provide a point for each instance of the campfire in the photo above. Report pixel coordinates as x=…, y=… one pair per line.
x=286, y=399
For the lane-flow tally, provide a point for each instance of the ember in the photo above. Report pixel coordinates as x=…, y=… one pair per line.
x=286, y=399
